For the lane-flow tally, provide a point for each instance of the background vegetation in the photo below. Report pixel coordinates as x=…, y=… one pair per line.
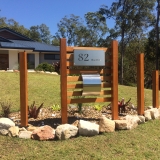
x=136, y=28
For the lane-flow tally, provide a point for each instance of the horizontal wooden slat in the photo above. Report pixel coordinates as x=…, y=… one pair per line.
x=77, y=71
x=71, y=49
x=80, y=86
x=79, y=93
x=89, y=100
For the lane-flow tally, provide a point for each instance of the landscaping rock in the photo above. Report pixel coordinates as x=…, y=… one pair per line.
x=147, y=115
x=65, y=131
x=87, y=128
x=120, y=124
x=132, y=121
x=31, y=128
x=4, y=132
x=106, y=125
x=6, y=123
x=25, y=134
x=13, y=131
x=142, y=119
x=43, y=133
x=154, y=113
x=76, y=123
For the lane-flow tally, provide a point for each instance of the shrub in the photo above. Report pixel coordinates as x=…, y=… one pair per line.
x=33, y=111
x=57, y=67
x=45, y=67
x=5, y=106
x=56, y=107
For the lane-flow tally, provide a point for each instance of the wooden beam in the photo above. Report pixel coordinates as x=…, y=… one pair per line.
x=63, y=79
x=140, y=83
x=23, y=89
x=155, y=88
x=115, y=80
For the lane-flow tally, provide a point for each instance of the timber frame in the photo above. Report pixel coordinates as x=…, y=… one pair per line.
x=71, y=80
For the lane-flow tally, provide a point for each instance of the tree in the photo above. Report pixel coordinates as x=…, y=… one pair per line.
x=69, y=28
x=78, y=33
x=40, y=33
x=132, y=18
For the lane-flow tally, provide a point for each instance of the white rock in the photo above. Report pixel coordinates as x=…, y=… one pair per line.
x=25, y=134
x=120, y=124
x=106, y=125
x=154, y=113
x=6, y=123
x=3, y=132
x=13, y=131
x=65, y=131
x=87, y=128
x=142, y=119
x=147, y=115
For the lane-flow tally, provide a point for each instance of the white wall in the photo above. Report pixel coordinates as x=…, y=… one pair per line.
x=13, y=59
x=36, y=59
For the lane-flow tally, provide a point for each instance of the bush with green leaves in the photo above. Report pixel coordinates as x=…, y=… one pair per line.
x=5, y=107
x=56, y=107
x=45, y=67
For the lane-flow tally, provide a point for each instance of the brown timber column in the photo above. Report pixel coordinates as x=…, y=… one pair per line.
x=155, y=88
x=23, y=89
x=63, y=73
x=115, y=80
x=140, y=83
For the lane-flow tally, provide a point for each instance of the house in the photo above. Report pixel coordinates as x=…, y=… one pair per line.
x=11, y=43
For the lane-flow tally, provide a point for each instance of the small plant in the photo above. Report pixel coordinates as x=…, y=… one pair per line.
x=5, y=109
x=56, y=107
x=33, y=111
x=57, y=67
x=79, y=107
x=98, y=107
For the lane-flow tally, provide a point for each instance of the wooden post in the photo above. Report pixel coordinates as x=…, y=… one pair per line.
x=23, y=89
x=63, y=73
x=115, y=80
x=140, y=83
x=155, y=88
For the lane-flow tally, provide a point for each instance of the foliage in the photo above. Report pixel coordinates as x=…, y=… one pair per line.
x=77, y=33
x=56, y=107
x=57, y=67
x=40, y=33
x=132, y=18
x=33, y=111
x=79, y=107
x=45, y=67
x=98, y=107
x=5, y=107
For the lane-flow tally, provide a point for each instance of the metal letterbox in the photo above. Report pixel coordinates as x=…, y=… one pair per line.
x=91, y=84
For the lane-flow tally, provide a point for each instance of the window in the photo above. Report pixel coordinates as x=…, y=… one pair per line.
x=51, y=56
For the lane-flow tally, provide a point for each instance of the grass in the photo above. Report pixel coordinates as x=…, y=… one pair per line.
x=45, y=88
x=140, y=143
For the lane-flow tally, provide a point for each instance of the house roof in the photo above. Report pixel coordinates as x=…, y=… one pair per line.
x=10, y=39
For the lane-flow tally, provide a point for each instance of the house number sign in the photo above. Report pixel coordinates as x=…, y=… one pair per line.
x=89, y=57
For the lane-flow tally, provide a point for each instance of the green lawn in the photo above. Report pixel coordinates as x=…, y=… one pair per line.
x=141, y=143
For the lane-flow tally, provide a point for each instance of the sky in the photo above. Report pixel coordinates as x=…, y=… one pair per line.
x=35, y=12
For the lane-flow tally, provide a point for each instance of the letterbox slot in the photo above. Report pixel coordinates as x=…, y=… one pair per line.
x=91, y=84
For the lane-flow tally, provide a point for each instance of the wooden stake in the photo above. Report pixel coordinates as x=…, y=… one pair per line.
x=63, y=73
x=23, y=89
x=115, y=80
x=155, y=88
x=140, y=83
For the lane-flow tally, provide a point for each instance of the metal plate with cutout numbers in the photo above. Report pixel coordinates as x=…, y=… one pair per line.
x=89, y=57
